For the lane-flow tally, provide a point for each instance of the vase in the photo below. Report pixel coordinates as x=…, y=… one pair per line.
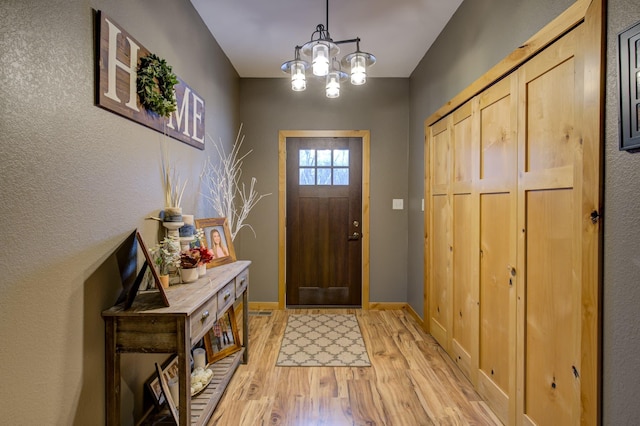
x=164, y=281
x=173, y=214
x=202, y=269
x=189, y=275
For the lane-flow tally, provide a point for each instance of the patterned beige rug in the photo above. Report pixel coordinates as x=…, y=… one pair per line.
x=330, y=340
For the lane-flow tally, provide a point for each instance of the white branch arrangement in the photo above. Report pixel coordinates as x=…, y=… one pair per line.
x=223, y=186
x=173, y=189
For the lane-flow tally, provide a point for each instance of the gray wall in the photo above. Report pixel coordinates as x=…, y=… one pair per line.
x=480, y=34
x=75, y=180
x=381, y=106
x=621, y=315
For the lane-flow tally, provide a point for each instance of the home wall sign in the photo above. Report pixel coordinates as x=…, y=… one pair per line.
x=116, y=75
x=629, y=65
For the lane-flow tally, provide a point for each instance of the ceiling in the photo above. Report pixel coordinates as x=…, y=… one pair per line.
x=259, y=35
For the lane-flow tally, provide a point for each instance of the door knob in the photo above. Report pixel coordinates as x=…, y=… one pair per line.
x=354, y=236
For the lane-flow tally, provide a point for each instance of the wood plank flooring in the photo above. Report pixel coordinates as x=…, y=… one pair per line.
x=411, y=381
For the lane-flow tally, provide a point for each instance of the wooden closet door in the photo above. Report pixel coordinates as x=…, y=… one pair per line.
x=496, y=207
x=438, y=256
x=554, y=224
x=464, y=292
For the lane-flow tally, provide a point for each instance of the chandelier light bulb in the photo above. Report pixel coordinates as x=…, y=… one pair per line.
x=320, y=59
x=358, y=70
x=333, y=85
x=298, y=79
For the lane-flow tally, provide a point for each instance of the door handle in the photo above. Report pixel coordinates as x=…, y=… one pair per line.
x=354, y=236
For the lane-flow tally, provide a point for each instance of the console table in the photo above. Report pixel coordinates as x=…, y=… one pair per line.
x=149, y=327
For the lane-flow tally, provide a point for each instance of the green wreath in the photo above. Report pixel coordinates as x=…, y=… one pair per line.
x=155, y=85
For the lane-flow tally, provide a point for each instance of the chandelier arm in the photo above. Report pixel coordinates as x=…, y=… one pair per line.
x=351, y=40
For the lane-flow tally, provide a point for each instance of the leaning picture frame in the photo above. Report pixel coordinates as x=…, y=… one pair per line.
x=222, y=339
x=218, y=239
x=164, y=385
x=153, y=385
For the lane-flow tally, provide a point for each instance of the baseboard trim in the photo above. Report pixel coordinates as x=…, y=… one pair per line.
x=259, y=306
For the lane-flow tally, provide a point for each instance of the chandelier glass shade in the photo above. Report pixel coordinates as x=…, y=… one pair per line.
x=322, y=51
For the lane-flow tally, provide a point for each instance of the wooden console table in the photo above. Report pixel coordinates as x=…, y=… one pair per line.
x=149, y=327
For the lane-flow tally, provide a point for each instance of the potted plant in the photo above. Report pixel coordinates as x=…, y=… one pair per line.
x=206, y=254
x=166, y=255
x=188, y=265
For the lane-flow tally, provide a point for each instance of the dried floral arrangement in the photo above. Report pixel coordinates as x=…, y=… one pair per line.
x=227, y=194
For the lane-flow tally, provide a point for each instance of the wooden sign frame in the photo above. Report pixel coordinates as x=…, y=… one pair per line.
x=116, y=76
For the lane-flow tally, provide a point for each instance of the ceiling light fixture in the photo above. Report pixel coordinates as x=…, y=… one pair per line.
x=323, y=51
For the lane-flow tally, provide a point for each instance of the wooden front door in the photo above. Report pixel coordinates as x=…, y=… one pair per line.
x=324, y=221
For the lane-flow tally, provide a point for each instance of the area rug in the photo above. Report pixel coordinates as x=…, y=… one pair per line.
x=329, y=340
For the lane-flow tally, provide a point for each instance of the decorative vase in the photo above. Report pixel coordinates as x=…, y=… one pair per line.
x=202, y=269
x=164, y=280
x=189, y=275
x=173, y=214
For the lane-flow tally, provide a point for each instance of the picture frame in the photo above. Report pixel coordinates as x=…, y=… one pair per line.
x=153, y=384
x=154, y=272
x=130, y=287
x=222, y=339
x=629, y=87
x=164, y=385
x=214, y=228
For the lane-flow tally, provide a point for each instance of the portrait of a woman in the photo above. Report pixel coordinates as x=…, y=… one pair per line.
x=218, y=245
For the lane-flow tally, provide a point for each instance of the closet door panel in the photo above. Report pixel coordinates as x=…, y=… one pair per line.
x=464, y=309
x=495, y=299
x=551, y=132
x=441, y=261
x=439, y=256
x=464, y=300
x=496, y=141
x=496, y=122
x=552, y=325
x=550, y=205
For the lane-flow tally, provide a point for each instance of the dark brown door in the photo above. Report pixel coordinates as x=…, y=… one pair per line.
x=324, y=208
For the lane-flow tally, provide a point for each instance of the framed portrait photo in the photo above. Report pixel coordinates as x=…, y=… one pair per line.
x=218, y=239
x=222, y=339
x=153, y=384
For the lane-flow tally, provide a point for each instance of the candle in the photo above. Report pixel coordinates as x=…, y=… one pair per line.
x=199, y=358
x=173, y=389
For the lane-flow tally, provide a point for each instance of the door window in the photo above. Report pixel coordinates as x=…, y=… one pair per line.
x=324, y=167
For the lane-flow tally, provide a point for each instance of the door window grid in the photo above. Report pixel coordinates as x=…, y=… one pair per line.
x=323, y=167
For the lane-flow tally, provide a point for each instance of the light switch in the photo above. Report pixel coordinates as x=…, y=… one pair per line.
x=398, y=204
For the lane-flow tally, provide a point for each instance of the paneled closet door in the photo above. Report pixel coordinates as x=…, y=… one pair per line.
x=465, y=293
x=551, y=221
x=439, y=250
x=495, y=190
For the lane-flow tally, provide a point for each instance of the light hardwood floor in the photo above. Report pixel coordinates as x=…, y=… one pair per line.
x=411, y=381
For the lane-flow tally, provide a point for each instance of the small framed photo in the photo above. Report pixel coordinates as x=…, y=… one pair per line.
x=218, y=239
x=222, y=339
x=164, y=385
x=169, y=371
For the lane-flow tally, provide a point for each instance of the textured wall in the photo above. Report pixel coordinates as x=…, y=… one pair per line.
x=74, y=181
x=381, y=106
x=621, y=315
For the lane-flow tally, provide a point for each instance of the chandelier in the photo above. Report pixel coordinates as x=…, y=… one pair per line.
x=323, y=51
